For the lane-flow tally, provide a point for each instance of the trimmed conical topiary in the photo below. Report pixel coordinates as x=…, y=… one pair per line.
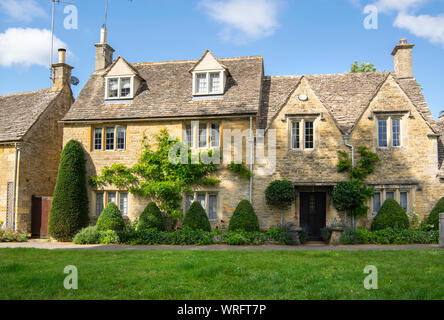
x=390, y=215
x=151, y=218
x=196, y=218
x=69, y=210
x=433, y=218
x=244, y=218
x=111, y=219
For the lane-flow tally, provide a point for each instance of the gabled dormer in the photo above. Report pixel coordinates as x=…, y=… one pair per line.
x=121, y=80
x=209, y=76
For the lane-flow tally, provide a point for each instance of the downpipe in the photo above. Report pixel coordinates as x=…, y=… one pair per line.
x=346, y=140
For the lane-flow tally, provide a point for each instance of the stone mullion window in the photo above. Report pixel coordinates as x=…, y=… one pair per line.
x=119, y=198
x=208, y=200
x=202, y=135
x=109, y=138
x=302, y=134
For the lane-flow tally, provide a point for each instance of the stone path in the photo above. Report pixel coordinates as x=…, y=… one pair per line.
x=46, y=245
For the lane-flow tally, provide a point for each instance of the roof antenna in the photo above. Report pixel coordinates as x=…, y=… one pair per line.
x=104, y=27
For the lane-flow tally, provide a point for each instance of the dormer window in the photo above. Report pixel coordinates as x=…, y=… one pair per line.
x=208, y=83
x=119, y=87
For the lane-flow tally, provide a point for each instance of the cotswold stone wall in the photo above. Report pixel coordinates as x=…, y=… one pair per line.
x=230, y=191
x=39, y=158
x=7, y=165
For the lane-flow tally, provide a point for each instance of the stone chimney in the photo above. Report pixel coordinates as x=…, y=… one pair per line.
x=403, y=59
x=61, y=76
x=104, y=52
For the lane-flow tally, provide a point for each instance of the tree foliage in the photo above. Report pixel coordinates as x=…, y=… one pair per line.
x=151, y=218
x=157, y=178
x=69, y=210
x=433, y=218
x=351, y=196
x=390, y=215
x=244, y=218
x=196, y=218
x=280, y=193
x=364, y=67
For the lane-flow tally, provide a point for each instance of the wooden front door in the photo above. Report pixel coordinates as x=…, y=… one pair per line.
x=40, y=216
x=313, y=213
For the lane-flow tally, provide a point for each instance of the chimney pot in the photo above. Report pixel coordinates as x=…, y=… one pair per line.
x=62, y=55
x=403, y=41
x=61, y=76
x=103, y=35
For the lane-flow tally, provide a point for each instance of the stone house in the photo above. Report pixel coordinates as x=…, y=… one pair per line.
x=30, y=146
x=310, y=116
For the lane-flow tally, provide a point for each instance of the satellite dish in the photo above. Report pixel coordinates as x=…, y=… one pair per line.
x=303, y=97
x=75, y=81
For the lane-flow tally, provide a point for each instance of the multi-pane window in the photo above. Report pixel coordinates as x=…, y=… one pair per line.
x=208, y=200
x=376, y=202
x=214, y=135
x=121, y=138
x=382, y=133
x=98, y=138
x=123, y=203
x=189, y=135
x=302, y=134
x=100, y=196
x=118, y=198
x=396, y=132
x=119, y=88
x=295, y=137
x=109, y=138
x=308, y=134
x=208, y=83
x=115, y=138
x=390, y=195
x=201, y=83
x=214, y=82
x=202, y=135
x=403, y=200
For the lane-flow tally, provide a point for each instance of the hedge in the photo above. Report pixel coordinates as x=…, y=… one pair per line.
x=433, y=218
x=196, y=218
x=110, y=219
x=244, y=218
x=69, y=210
x=390, y=236
x=151, y=218
x=390, y=215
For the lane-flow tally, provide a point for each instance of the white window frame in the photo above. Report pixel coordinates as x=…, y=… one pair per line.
x=389, y=131
x=103, y=128
x=195, y=127
x=400, y=131
x=208, y=92
x=94, y=138
x=380, y=202
x=105, y=196
x=302, y=141
x=407, y=199
x=207, y=202
x=119, y=87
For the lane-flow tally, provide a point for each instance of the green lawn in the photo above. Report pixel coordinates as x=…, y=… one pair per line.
x=38, y=274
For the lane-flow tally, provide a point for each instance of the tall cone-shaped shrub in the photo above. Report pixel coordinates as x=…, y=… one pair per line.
x=69, y=210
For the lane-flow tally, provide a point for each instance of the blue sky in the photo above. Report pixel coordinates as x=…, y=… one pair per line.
x=294, y=36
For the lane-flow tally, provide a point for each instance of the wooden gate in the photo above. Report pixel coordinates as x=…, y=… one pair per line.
x=40, y=216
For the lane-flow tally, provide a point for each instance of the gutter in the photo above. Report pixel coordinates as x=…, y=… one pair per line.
x=346, y=138
x=16, y=180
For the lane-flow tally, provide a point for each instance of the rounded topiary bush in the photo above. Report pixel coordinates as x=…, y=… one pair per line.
x=244, y=218
x=196, y=218
x=69, y=209
x=280, y=193
x=391, y=215
x=433, y=218
x=151, y=218
x=111, y=219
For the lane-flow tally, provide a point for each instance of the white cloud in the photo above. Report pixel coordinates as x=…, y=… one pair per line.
x=243, y=20
x=398, y=5
x=425, y=26
x=27, y=47
x=22, y=10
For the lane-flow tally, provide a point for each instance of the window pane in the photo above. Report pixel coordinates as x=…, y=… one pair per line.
x=97, y=138
x=189, y=199
x=121, y=138
x=390, y=195
x=123, y=203
x=212, y=207
x=201, y=83
x=396, y=128
x=295, y=135
x=403, y=200
x=309, y=135
x=113, y=88
x=382, y=133
x=376, y=202
x=201, y=200
x=189, y=135
x=202, y=135
x=215, y=82
x=99, y=203
x=125, y=87
x=109, y=139
x=111, y=197
x=215, y=135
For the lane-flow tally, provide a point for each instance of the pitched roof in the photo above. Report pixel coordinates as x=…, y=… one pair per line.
x=18, y=112
x=167, y=92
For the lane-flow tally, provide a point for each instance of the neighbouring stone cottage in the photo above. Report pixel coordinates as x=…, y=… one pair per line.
x=30, y=147
x=312, y=117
